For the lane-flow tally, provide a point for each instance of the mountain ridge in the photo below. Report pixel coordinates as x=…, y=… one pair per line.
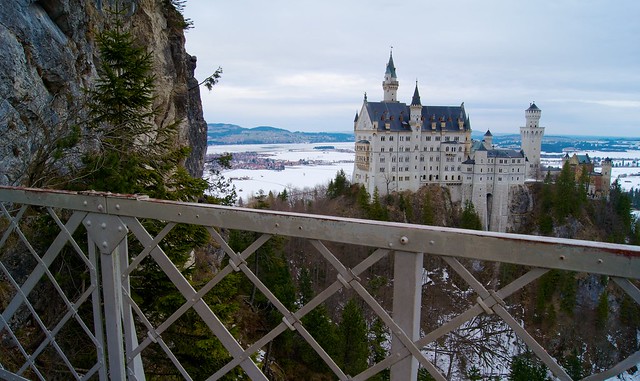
x=226, y=133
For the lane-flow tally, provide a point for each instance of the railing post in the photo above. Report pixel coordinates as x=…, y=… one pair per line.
x=107, y=232
x=407, y=299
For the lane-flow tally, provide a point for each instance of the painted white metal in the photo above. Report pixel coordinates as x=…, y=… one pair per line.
x=407, y=299
x=109, y=218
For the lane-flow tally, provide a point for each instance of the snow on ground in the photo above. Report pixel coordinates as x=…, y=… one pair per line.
x=249, y=182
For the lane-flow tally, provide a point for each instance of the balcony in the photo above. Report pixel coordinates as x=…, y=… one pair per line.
x=100, y=231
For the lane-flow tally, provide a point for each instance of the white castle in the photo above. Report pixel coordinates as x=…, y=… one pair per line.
x=404, y=147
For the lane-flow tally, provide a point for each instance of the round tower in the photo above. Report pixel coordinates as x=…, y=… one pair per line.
x=390, y=83
x=531, y=140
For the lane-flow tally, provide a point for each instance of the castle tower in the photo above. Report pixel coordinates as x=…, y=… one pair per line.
x=416, y=110
x=606, y=176
x=531, y=140
x=390, y=83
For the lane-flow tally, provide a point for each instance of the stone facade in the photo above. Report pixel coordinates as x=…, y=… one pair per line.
x=404, y=147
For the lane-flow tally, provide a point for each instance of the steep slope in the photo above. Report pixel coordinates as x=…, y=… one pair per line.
x=48, y=57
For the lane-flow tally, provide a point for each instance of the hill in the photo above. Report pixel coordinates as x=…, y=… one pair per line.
x=222, y=133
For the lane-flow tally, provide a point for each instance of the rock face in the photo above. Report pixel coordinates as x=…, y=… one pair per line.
x=48, y=55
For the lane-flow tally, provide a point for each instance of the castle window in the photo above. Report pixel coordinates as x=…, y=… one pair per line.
x=382, y=138
x=456, y=138
x=437, y=138
x=458, y=177
x=446, y=138
x=421, y=158
x=447, y=149
x=382, y=159
x=406, y=169
x=390, y=149
x=382, y=149
x=428, y=138
x=408, y=138
x=393, y=159
x=401, y=138
x=406, y=178
x=381, y=169
x=431, y=149
x=390, y=138
x=445, y=177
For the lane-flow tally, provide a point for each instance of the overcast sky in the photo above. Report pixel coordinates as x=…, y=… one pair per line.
x=305, y=65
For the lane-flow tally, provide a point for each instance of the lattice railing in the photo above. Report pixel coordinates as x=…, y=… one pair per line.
x=94, y=234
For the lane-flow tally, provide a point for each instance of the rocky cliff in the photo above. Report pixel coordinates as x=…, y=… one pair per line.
x=48, y=56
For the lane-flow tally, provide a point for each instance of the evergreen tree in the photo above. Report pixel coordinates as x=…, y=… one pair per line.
x=473, y=374
x=377, y=211
x=427, y=210
x=378, y=349
x=573, y=366
x=338, y=186
x=546, y=205
x=566, y=200
x=132, y=154
x=469, y=218
x=524, y=368
x=353, y=343
x=363, y=199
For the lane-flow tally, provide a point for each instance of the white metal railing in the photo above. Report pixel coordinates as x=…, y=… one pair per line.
x=111, y=320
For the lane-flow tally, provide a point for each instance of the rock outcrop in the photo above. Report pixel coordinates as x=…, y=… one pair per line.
x=48, y=56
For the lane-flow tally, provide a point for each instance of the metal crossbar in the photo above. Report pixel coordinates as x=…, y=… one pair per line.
x=122, y=332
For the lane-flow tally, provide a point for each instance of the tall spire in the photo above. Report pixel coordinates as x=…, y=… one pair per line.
x=416, y=96
x=391, y=69
x=390, y=83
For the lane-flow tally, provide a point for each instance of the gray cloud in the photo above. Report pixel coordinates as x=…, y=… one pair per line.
x=305, y=65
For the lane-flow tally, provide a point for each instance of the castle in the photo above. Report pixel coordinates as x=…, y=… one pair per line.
x=404, y=147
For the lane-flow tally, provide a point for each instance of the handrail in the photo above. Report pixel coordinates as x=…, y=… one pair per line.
x=109, y=217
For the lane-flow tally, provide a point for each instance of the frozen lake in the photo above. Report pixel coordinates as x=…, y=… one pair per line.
x=249, y=182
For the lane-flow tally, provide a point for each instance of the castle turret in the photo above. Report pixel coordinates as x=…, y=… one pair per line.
x=416, y=110
x=606, y=165
x=488, y=140
x=390, y=83
x=531, y=140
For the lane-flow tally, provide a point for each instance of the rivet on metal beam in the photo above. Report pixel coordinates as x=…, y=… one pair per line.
x=390, y=244
x=562, y=257
x=404, y=240
x=88, y=223
x=277, y=225
x=85, y=203
x=105, y=244
x=432, y=242
x=600, y=261
x=299, y=227
x=197, y=216
x=103, y=225
x=100, y=207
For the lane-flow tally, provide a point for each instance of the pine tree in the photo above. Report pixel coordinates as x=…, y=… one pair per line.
x=427, y=210
x=377, y=211
x=469, y=218
x=566, y=197
x=524, y=368
x=353, y=342
x=363, y=199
